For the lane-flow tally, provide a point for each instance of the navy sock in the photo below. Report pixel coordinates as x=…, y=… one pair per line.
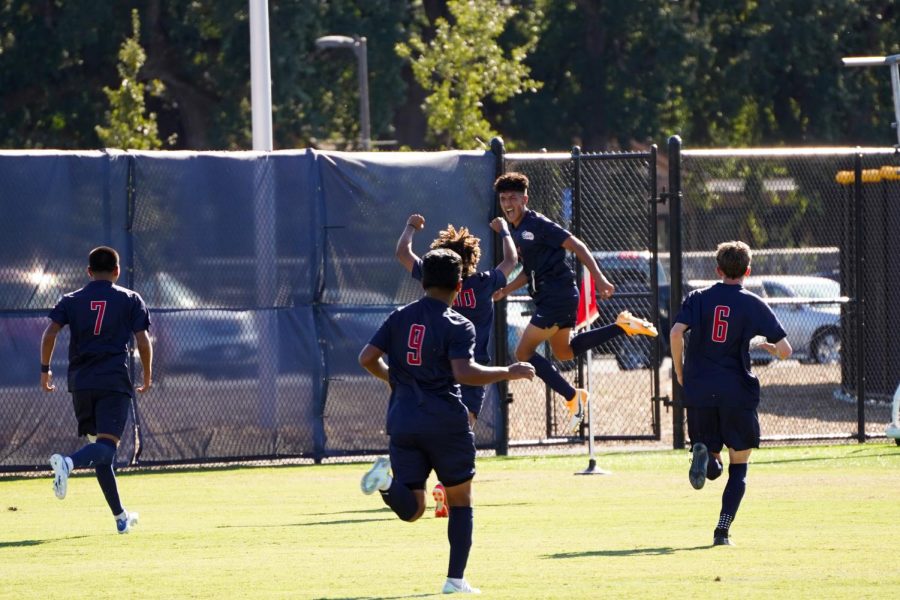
x=106, y=477
x=548, y=373
x=713, y=468
x=731, y=497
x=592, y=338
x=459, y=532
x=401, y=499
x=100, y=452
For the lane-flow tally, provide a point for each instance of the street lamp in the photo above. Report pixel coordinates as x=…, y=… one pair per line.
x=358, y=45
x=876, y=61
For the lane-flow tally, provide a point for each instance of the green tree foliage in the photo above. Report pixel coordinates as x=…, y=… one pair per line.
x=128, y=125
x=464, y=65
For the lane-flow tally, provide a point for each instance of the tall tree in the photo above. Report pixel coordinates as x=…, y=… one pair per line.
x=128, y=125
x=464, y=65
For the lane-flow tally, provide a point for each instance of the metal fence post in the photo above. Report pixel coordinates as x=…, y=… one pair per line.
x=674, y=198
x=860, y=302
x=501, y=350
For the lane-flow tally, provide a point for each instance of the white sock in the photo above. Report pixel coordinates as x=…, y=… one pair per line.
x=69, y=463
x=387, y=484
x=122, y=515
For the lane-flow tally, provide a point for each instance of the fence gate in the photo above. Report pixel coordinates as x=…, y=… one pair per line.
x=609, y=201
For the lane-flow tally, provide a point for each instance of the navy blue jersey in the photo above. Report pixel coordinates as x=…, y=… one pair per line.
x=420, y=340
x=722, y=320
x=474, y=302
x=101, y=317
x=539, y=242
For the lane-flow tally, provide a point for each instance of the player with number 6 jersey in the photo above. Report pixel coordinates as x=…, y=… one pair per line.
x=102, y=317
x=721, y=393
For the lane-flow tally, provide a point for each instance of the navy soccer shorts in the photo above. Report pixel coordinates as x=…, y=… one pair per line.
x=556, y=308
x=450, y=455
x=101, y=411
x=736, y=428
x=473, y=397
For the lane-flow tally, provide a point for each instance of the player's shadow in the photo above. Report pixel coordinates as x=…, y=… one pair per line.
x=23, y=543
x=338, y=522
x=630, y=552
x=376, y=597
x=383, y=509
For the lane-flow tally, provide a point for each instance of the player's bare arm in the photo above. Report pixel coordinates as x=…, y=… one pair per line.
x=371, y=359
x=404, y=252
x=781, y=349
x=145, y=350
x=510, y=256
x=467, y=372
x=48, y=343
x=520, y=281
x=676, y=343
x=605, y=289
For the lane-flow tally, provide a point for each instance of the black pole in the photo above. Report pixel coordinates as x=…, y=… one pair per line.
x=674, y=198
x=859, y=282
x=501, y=349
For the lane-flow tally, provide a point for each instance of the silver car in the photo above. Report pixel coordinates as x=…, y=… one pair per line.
x=801, y=303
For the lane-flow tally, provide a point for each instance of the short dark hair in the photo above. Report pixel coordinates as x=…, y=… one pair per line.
x=511, y=182
x=441, y=268
x=103, y=259
x=733, y=258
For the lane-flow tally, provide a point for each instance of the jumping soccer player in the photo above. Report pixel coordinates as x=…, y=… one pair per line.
x=542, y=246
x=102, y=318
x=429, y=348
x=474, y=301
x=721, y=394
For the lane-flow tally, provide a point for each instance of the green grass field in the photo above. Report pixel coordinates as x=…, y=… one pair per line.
x=816, y=522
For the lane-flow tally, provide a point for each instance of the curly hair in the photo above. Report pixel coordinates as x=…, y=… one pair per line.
x=463, y=243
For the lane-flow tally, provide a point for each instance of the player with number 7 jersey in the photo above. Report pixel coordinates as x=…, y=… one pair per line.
x=102, y=317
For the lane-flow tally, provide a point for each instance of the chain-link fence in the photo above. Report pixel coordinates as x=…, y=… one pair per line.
x=607, y=200
x=823, y=246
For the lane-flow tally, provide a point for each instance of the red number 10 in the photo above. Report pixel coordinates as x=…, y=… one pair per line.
x=720, y=325
x=416, y=337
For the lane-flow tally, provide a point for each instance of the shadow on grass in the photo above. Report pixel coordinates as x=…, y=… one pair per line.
x=340, y=522
x=375, y=597
x=855, y=455
x=630, y=552
x=23, y=543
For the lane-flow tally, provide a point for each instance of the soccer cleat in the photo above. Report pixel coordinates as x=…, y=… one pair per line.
x=699, y=462
x=62, y=466
x=634, y=325
x=377, y=477
x=575, y=406
x=720, y=538
x=459, y=586
x=441, y=511
x=126, y=521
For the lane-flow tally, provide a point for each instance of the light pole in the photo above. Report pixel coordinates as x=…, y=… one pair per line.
x=358, y=45
x=877, y=61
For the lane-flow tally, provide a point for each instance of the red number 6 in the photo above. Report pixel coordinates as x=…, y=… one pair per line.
x=720, y=325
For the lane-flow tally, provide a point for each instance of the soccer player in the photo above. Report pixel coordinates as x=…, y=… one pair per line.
x=102, y=318
x=721, y=394
x=430, y=351
x=474, y=300
x=542, y=246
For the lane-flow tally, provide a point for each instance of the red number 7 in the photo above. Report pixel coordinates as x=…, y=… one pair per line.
x=100, y=307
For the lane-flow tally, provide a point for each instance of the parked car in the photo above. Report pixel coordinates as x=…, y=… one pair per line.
x=629, y=271
x=813, y=327
x=191, y=336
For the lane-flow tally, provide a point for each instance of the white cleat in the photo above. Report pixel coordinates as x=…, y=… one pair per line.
x=126, y=521
x=62, y=466
x=458, y=586
x=376, y=478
